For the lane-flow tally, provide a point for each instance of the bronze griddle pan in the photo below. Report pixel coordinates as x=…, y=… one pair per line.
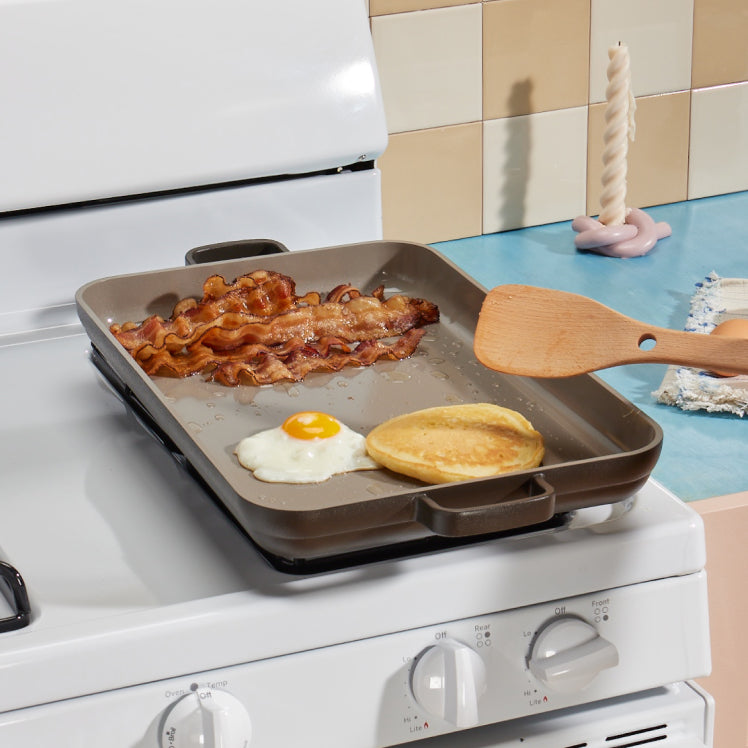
x=599, y=447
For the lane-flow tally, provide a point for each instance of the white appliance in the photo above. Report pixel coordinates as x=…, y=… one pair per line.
x=152, y=620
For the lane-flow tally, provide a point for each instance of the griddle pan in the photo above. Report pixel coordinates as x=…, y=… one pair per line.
x=599, y=447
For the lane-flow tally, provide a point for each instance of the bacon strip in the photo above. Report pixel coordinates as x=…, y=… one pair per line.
x=300, y=362
x=258, y=330
x=360, y=318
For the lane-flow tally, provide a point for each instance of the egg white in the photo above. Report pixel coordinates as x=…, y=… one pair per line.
x=275, y=457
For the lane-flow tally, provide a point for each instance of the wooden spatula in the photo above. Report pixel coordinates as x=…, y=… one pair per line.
x=540, y=332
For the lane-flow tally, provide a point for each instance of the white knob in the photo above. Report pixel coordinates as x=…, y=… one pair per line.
x=569, y=653
x=447, y=681
x=207, y=718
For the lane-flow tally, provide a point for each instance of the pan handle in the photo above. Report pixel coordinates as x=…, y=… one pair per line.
x=536, y=507
x=234, y=250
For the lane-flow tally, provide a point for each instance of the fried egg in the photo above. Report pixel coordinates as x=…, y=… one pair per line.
x=308, y=447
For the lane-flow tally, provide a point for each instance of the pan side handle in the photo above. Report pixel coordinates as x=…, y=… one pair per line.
x=234, y=250
x=537, y=506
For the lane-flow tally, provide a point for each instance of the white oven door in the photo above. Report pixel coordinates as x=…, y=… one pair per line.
x=105, y=99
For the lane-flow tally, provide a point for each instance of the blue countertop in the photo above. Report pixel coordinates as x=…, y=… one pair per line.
x=704, y=454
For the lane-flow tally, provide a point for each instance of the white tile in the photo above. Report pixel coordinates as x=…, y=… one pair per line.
x=430, y=66
x=718, y=157
x=659, y=36
x=534, y=169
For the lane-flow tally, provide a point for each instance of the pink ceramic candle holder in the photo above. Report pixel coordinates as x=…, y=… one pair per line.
x=635, y=237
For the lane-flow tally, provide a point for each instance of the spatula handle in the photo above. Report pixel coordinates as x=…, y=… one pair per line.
x=692, y=349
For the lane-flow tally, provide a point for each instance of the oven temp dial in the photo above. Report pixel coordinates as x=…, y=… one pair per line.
x=447, y=681
x=206, y=717
x=569, y=653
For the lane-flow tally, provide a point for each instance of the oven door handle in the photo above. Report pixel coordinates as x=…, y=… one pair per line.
x=14, y=590
x=537, y=505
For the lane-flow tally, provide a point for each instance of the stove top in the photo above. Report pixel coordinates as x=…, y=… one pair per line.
x=122, y=550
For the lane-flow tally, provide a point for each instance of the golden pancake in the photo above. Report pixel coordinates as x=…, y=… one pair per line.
x=456, y=442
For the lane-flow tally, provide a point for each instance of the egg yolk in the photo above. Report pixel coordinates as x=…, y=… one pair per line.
x=311, y=425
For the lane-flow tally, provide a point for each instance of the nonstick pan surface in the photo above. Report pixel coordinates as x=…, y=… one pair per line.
x=599, y=447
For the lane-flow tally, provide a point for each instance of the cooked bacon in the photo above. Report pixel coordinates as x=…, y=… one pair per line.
x=262, y=293
x=267, y=292
x=360, y=318
x=300, y=362
x=199, y=358
x=256, y=329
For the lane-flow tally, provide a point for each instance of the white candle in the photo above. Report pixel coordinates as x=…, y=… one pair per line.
x=619, y=128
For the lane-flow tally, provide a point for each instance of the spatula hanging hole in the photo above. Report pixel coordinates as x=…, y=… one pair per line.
x=647, y=342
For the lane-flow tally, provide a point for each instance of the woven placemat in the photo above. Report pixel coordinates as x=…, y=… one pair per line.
x=716, y=299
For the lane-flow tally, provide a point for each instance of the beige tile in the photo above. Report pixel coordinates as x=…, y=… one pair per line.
x=658, y=157
x=431, y=184
x=384, y=7
x=535, y=56
x=658, y=35
x=429, y=67
x=720, y=42
x=719, y=140
x=534, y=169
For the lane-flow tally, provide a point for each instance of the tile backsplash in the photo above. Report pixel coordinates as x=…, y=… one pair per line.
x=495, y=108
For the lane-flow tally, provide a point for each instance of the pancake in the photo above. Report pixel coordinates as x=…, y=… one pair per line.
x=456, y=442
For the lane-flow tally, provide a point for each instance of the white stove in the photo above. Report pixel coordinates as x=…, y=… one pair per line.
x=153, y=620
x=146, y=598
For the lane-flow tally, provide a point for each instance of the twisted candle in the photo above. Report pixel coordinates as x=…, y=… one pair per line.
x=618, y=232
x=619, y=128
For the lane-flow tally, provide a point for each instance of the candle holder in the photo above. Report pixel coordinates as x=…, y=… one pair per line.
x=619, y=232
x=633, y=238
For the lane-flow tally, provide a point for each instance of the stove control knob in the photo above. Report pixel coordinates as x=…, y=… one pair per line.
x=569, y=653
x=206, y=717
x=447, y=680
